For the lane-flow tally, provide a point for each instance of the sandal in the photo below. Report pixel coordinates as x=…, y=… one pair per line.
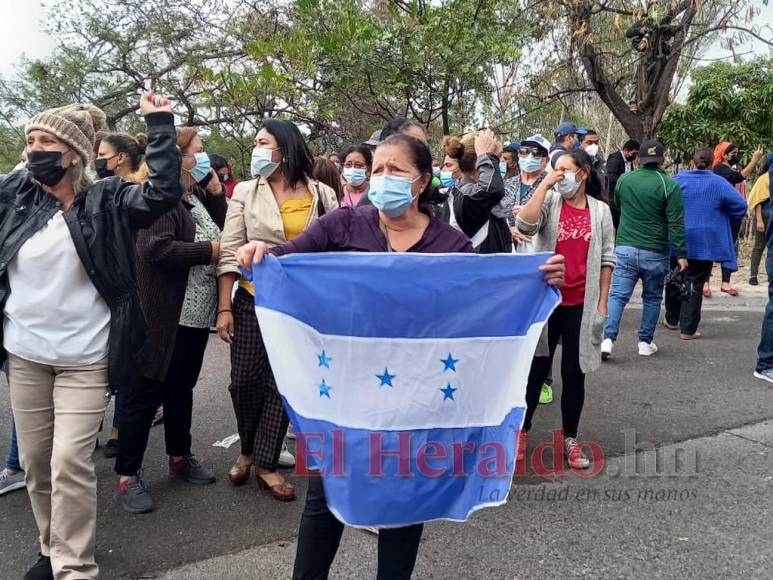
x=732, y=291
x=239, y=474
x=706, y=291
x=284, y=491
x=693, y=336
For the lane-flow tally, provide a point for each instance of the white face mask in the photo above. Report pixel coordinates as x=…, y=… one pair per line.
x=569, y=185
x=592, y=150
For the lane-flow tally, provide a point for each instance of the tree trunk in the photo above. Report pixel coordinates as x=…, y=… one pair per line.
x=644, y=123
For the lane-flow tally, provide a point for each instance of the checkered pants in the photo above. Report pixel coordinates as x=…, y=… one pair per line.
x=260, y=413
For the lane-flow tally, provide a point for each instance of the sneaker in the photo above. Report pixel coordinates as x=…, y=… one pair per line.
x=42, y=569
x=574, y=454
x=523, y=441
x=606, y=348
x=111, y=448
x=11, y=482
x=190, y=470
x=133, y=496
x=158, y=418
x=286, y=459
x=290, y=432
x=546, y=394
x=766, y=375
x=373, y=531
x=753, y=281
x=647, y=348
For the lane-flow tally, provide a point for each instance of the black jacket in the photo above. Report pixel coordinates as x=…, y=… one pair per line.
x=102, y=221
x=473, y=202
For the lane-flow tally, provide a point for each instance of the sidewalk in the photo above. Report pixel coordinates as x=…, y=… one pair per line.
x=715, y=524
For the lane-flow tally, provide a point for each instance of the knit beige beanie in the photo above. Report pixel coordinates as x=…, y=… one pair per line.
x=76, y=125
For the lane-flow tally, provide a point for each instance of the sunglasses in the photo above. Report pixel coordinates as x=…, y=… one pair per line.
x=536, y=151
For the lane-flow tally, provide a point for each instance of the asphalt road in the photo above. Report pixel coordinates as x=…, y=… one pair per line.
x=688, y=391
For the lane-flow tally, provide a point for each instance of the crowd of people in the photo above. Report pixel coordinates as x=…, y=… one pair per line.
x=141, y=239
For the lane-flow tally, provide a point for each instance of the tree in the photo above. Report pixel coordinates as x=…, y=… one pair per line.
x=726, y=102
x=595, y=36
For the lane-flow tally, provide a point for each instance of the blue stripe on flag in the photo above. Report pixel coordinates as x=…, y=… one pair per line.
x=462, y=295
x=361, y=498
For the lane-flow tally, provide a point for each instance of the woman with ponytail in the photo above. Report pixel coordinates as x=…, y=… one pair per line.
x=566, y=215
x=120, y=154
x=481, y=188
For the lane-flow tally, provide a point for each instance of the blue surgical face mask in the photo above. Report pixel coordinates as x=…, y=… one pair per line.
x=355, y=176
x=503, y=168
x=391, y=194
x=261, y=163
x=446, y=178
x=202, y=167
x=530, y=164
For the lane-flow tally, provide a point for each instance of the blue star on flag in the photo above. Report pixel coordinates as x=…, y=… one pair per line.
x=324, y=360
x=324, y=389
x=450, y=363
x=386, y=378
x=448, y=392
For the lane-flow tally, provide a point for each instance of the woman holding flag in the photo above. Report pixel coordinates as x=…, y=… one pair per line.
x=567, y=216
x=400, y=220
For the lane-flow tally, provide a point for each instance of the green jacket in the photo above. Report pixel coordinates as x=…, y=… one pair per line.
x=651, y=207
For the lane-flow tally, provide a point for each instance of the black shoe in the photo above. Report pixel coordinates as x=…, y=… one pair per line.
x=753, y=281
x=41, y=570
x=111, y=448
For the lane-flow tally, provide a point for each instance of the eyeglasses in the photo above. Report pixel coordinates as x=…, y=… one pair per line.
x=354, y=165
x=536, y=151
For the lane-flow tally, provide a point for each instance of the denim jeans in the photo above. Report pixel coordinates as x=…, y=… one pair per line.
x=12, y=461
x=765, y=349
x=634, y=264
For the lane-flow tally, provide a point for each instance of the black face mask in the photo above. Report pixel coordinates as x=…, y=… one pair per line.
x=46, y=166
x=733, y=160
x=630, y=158
x=101, y=167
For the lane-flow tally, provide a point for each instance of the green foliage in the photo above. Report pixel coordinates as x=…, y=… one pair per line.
x=726, y=102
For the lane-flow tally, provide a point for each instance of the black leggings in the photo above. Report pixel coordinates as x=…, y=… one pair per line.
x=565, y=324
x=321, y=532
x=175, y=392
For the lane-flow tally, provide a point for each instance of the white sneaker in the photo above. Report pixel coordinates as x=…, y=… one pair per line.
x=606, y=348
x=766, y=375
x=373, y=531
x=286, y=459
x=647, y=348
x=290, y=432
x=11, y=482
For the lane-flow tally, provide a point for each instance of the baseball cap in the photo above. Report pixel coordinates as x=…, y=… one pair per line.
x=375, y=138
x=652, y=151
x=538, y=140
x=567, y=128
x=512, y=147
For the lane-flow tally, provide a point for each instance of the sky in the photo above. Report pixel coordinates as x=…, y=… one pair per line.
x=21, y=33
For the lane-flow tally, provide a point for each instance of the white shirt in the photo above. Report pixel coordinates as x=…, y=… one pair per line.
x=54, y=314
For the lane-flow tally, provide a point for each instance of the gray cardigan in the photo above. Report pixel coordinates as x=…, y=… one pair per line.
x=601, y=253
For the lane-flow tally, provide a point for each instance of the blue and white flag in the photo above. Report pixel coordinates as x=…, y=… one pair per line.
x=406, y=373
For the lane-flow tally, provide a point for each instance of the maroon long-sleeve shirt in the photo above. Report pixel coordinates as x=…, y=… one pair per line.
x=349, y=229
